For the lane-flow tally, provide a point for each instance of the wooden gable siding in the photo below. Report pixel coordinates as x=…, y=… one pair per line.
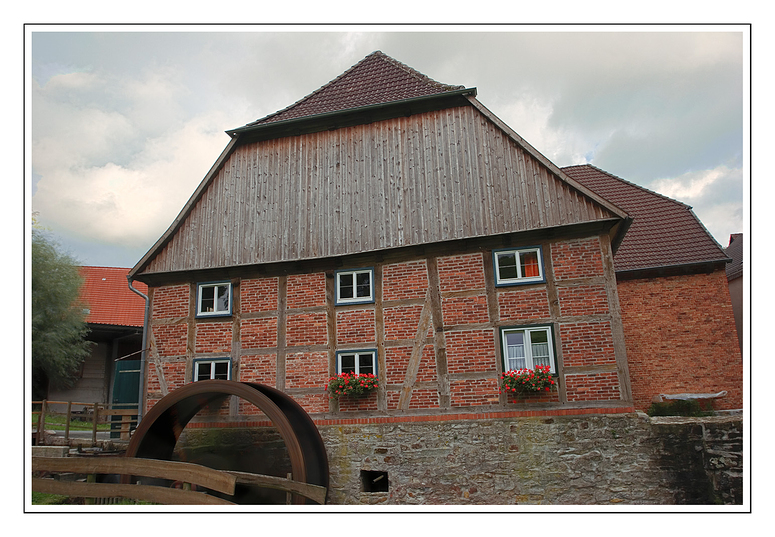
x=431, y=177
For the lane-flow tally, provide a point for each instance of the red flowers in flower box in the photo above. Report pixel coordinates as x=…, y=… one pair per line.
x=351, y=384
x=527, y=380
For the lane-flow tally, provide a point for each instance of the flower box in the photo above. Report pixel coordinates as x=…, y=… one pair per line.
x=351, y=384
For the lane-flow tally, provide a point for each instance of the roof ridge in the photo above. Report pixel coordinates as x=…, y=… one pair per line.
x=377, y=54
x=689, y=207
x=414, y=72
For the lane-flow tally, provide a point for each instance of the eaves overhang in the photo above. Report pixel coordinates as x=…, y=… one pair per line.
x=671, y=270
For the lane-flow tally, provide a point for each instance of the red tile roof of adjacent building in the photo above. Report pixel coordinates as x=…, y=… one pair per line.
x=664, y=232
x=109, y=299
x=377, y=79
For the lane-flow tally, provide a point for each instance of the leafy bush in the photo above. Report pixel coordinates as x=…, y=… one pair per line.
x=678, y=407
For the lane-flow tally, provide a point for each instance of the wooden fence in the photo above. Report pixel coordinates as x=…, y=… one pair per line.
x=186, y=473
x=95, y=413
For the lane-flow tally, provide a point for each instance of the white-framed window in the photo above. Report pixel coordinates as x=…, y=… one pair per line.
x=213, y=299
x=358, y=362
x=355, y=286
x=212, y=369
x=518, y=265
x=526, y=347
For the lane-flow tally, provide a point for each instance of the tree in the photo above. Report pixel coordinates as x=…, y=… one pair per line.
x=58, y=320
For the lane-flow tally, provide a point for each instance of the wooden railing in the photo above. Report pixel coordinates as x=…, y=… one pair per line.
x=187, y=473
x=96, y=413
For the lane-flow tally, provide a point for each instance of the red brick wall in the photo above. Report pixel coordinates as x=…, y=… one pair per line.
x=592, y=386
x=306, y=329
x=258, y=295
x=356, y=326
x=469, y=331
x=305, y=290
x=213, y=337
x=170, y=302
x=583, y=300
x=260, y=368
x=523, y=304
x=258, y=333
x=170, y=339
x=404, y=280
x=461, y=272
x=471, y=350
x=586, y=344
x=306, y=370
x=577, y=259
x=397, y=360
x=464, y=310
x=680, y=336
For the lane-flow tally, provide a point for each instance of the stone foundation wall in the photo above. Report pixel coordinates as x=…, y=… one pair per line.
x=595, y=460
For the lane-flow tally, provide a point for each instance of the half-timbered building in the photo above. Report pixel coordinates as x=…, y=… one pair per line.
x=392, y=225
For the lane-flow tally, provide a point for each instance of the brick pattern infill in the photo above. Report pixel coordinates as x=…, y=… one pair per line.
x=213, y=337
x=461, y=273
x=586, y=344
x=577, y=259
x=356, y=326
x=170, y=302
x=306, y=290
x=523, y=304
x=583, y=300
x=258, y=295
x=403, y=281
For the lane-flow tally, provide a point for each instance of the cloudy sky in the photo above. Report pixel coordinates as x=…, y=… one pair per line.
x=125, y=123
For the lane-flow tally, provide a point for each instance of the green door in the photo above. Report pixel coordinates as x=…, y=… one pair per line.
x=126, y=385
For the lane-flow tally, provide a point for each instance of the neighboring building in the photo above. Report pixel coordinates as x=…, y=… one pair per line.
x=115, y=319
x=735, y=279
x=391, y=224
x=675, y=303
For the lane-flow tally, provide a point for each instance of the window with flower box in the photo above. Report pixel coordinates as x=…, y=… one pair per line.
x=212, y=369
x=213, y=299
x=518, y=266
x=358, y=362
x=527, y=347
x=355, y=286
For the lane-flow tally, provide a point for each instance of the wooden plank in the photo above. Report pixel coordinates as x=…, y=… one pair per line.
x=418, y=346
x=166, y=496
x=176, y=471
x=315, y=493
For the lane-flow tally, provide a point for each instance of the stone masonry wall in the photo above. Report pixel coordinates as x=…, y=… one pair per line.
x=588, y=460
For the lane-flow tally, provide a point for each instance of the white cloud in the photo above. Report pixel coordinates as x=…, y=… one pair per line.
x=132, y=203
x=715, y=195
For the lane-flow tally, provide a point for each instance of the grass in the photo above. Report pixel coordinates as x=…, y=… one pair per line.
x=57, y=422
x=40, y=498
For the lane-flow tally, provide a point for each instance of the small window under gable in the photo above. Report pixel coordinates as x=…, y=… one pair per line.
x=212, y=369
x=358, y=362
x=527, y=347
x=355, y=286
x=518, y=266
x=213, y=299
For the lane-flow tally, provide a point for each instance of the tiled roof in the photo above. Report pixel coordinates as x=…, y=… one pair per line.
x=377, y=79
x=109, y=299
x=735, y=251
x=664, y=232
